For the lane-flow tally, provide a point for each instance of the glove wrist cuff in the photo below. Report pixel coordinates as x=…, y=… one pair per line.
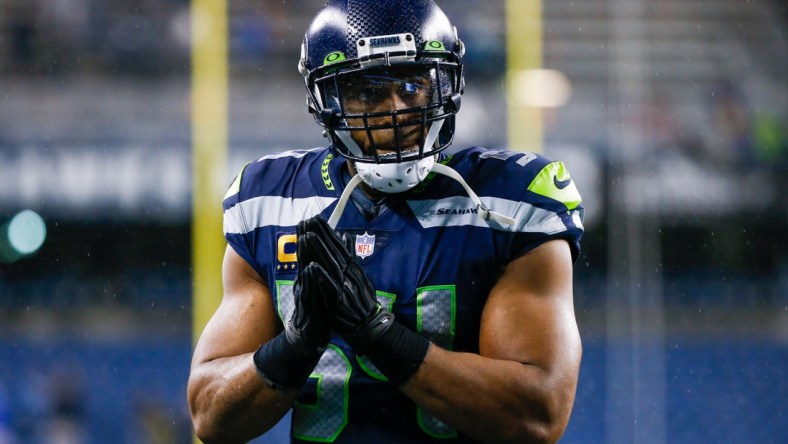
x=281, y=365
x=398, y=353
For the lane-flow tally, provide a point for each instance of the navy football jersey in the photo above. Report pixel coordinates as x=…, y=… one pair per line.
x=431, y=258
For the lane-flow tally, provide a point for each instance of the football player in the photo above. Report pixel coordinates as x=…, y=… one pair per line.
x=384, y=290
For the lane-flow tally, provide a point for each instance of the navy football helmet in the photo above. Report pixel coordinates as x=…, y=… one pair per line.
x=394, y=67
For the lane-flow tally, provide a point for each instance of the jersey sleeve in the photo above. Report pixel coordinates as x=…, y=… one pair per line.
x=237, y=232
x=550, y=208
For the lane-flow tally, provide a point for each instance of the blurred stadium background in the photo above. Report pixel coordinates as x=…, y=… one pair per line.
x=671, y=115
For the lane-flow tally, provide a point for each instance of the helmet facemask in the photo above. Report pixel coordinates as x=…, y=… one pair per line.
x=390, y=112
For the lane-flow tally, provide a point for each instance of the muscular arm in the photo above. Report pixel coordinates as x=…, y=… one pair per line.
x=227, y=399
x=522, y=385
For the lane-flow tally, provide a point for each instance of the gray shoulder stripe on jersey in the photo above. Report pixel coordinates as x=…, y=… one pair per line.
x=266, y=211
x=460, y=210
x=577, y=220
x=295, y=154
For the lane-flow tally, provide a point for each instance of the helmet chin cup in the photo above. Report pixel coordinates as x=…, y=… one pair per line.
x=395, y=177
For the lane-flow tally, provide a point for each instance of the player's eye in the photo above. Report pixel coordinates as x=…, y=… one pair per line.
x=367, y=90
x=376, y=91
x=372, y=91
x=411, y=87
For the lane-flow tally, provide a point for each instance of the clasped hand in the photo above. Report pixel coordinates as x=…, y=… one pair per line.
x=332, y=292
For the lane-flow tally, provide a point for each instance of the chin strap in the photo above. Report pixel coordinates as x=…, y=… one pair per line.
x=337, y=213
x=485, y=213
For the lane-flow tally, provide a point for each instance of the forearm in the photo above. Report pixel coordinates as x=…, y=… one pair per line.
x=492, y=400
x=229, y=402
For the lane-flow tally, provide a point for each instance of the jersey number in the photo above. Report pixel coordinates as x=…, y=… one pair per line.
x=324, y=420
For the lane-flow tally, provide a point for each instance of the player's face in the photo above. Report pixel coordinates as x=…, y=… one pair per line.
x=381, y=91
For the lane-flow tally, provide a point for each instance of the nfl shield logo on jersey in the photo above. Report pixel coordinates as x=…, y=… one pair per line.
x=365, y=245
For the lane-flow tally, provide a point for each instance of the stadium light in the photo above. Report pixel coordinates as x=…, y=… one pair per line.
x=542, y=88
x=21, y=236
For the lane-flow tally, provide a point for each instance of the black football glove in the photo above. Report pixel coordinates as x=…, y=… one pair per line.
x=287, y=360
x=357, y=316
x=366, y=326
